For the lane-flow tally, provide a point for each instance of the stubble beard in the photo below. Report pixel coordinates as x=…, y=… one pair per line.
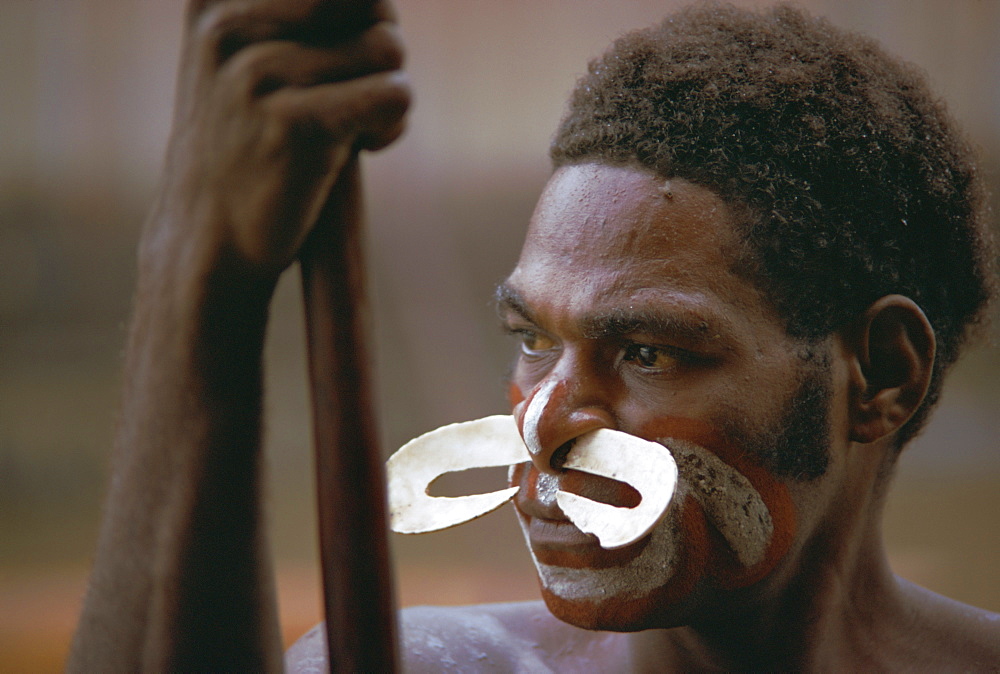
x=797, y=447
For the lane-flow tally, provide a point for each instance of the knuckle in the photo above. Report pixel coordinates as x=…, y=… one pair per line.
x=279, y=127
x=250, y=72
x=386, y=46
x=397, y=95
x=296, y=121
x=383, y=137
x=219, y=29
x=386, y=118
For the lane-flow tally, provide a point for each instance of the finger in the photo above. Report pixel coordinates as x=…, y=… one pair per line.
x=293, y=11
x=368, y=111
x=225, y=27
x=265, y=67
x=385, y=136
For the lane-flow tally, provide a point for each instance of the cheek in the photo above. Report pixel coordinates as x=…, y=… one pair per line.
x=693, y=541
x=514, y=395
x=637, y=590
x=724, y=565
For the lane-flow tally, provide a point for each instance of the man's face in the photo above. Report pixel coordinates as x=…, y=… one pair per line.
x=629, y=317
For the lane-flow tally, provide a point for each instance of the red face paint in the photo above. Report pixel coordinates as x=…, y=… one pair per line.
x=514, y=395
x=626, y=588
x=724, y=566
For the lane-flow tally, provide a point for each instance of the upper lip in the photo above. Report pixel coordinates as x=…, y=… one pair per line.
x=537, y=511
x=594, y=487
x=548, y=526
x=528, y=503
x=555, y=538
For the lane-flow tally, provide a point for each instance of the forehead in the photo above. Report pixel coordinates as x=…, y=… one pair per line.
x=608, y=235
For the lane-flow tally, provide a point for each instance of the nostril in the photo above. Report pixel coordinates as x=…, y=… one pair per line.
x=559, y=456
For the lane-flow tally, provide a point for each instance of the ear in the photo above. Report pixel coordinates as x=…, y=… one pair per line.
x=892, y=346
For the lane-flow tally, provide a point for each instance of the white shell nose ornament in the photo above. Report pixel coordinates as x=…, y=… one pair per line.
x=492, y=441
x=646, y=466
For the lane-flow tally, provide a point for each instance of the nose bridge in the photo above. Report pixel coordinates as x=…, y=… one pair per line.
x=561, y=407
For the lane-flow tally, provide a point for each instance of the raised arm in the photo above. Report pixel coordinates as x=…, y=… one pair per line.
x=274, y=97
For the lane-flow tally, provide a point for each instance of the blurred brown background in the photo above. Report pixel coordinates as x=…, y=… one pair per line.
x=84, y=114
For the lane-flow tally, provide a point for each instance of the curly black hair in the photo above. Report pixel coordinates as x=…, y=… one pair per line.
x=856, y=180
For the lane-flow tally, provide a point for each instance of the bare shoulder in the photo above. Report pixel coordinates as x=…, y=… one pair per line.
x=514, y=637
x=951, y=634
x=483, y=638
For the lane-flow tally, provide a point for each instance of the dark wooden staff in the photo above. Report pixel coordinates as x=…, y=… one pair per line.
x=357, y=577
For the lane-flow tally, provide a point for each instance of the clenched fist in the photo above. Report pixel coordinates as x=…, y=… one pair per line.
x=274, y=96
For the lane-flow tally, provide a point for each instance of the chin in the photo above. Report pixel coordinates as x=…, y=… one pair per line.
x=662, y=608
x=616, y=614
x=655, y=589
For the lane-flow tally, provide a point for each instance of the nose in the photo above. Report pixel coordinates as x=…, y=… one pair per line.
x=556, y=412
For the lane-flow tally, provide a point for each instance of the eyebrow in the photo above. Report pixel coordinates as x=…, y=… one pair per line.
x=618, y=322
x=507, y=297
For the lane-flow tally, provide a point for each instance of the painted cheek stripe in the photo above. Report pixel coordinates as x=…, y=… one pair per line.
x=730, y=501
x=646, y=466
x=728, y=565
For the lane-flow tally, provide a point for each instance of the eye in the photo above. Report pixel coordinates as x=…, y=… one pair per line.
x=532, y=343
x=651, y=357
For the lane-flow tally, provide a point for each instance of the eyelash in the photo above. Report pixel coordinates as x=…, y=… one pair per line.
x=523, y=335
x=632, y=352
x=635, y=352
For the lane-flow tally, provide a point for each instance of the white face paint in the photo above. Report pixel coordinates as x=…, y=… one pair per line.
x=730, y=501
x=532, y=415
x=652, y=568
x=546, y=488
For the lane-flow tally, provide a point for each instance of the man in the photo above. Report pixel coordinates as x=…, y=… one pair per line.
x=763, y=246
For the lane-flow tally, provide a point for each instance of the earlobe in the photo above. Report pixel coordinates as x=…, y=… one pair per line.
x=893, y=346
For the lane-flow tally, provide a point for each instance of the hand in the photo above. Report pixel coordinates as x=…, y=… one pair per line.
x=274, y=96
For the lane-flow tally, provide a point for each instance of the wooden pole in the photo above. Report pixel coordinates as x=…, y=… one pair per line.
x=357, y=577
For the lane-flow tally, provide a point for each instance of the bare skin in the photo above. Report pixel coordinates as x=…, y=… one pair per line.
x=274, y=98
x=603, y=238
x=831, y=603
